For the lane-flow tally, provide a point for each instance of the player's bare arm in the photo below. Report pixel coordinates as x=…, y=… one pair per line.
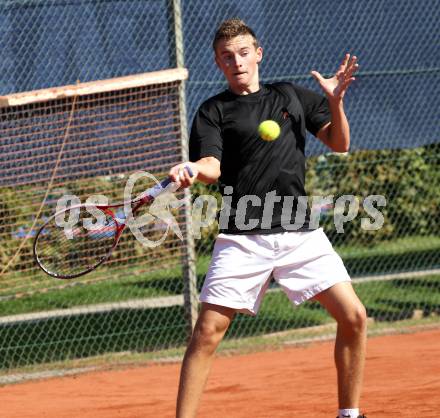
x=336, y=135
x=206, y=170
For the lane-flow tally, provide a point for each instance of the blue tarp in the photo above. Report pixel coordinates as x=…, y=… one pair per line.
x=393, y=104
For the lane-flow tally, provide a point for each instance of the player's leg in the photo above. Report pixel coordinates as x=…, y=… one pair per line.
x=212, y=323
x=236, y=280
x=308, y=267
x=343, y=304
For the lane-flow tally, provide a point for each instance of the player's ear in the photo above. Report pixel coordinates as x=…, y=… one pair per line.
x=259, y=54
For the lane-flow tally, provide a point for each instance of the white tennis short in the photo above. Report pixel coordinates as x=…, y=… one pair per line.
x=302, y=263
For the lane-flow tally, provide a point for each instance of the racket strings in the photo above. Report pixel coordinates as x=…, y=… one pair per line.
x=67, y=247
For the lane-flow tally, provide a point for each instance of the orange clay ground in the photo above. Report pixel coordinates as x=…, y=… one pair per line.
x=402, y=380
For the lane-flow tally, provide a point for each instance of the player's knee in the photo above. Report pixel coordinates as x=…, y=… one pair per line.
x=355, y=322
x=208, y=335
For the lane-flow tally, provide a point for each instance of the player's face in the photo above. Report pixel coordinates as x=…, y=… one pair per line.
x=238, y=59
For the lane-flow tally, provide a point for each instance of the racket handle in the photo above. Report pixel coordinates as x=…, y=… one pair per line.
x=163, y=184
x=157, y=190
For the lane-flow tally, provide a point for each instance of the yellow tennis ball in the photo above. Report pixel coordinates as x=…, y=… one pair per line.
x=269, y=130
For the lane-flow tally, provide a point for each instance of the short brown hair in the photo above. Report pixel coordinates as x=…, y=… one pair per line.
x=230, y=29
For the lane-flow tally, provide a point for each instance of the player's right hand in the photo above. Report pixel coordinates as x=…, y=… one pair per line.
x=181, y=174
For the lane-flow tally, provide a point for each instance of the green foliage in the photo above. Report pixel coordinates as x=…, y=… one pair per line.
x=408, y=179
x=15, y=222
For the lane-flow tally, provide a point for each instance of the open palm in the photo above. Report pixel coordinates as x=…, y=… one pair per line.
x=336, y=86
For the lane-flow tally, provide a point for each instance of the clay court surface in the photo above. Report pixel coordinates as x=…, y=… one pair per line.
x=402, y=380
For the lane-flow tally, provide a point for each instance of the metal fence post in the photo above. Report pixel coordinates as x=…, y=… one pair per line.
x=188, y=252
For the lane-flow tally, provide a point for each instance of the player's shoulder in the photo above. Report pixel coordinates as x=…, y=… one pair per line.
x=285, y=89
x=282, y=87
x=290, y=87
x=280, y=84
x=304, y=95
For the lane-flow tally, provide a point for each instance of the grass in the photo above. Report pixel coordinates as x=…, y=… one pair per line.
x=131, y=283
x=396, y=247
x=150, y=330
x=129, y=286
x=402, y=254
x=163, y=329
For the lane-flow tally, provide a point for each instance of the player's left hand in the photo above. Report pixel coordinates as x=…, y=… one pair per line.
x=335, y=87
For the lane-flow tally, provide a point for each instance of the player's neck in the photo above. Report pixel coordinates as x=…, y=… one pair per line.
x=245, y=90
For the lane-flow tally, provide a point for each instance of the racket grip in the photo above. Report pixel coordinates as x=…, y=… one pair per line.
x=167, y=181
x=155, y=191
x=190, y=172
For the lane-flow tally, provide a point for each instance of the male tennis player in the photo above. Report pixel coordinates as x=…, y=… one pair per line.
x=260, y=235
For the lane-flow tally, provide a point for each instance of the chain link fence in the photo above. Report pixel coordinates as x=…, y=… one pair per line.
x=393, y=113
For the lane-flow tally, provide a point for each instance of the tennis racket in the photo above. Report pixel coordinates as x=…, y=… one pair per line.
x=78, y=239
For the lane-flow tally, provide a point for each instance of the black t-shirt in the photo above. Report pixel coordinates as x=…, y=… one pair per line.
x=263, y=177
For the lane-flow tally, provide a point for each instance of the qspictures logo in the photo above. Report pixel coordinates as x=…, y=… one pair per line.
x=206, y=210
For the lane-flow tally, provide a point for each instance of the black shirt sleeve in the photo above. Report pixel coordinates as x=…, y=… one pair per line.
x=316, y=108
x=206, y=139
